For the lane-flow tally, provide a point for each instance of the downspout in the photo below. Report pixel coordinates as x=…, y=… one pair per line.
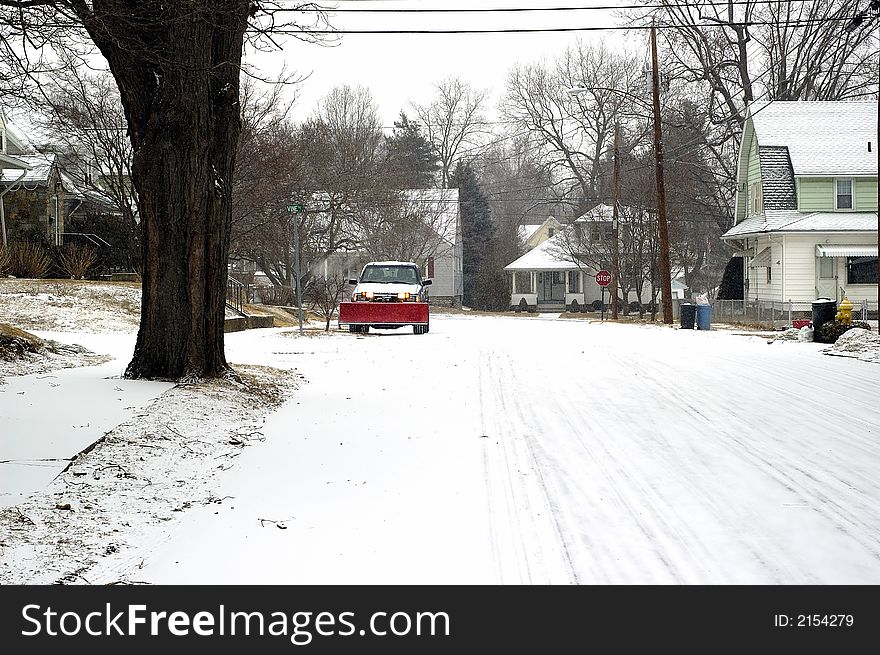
x=11, y=187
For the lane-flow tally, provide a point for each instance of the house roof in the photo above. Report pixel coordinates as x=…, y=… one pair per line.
x=599, y=213
x=14, y=163
x=526, y=231
x=546, y=256
x=40, y=168
x=823, y=138
x=794, y=221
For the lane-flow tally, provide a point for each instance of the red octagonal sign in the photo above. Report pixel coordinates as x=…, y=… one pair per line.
x=603, y=278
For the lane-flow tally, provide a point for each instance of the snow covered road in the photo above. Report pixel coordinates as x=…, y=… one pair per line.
x=524, y=450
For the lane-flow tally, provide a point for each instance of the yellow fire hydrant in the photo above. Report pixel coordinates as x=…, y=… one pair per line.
x=844, y=311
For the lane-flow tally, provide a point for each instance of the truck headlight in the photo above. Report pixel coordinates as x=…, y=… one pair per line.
x=403, y=295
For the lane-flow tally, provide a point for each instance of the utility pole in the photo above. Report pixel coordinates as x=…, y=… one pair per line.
x=296, y=210
x=615, y=225
x=665, y=266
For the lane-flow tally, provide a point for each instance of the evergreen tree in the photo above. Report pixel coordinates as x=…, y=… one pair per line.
x=411, y=163
x=478, y=237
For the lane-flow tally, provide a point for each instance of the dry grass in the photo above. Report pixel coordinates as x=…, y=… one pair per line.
x=15, y=343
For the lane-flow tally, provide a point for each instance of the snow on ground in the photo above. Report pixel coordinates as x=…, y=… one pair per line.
x=70, y=305
x=492, y=449
x=46, y=357
x=117, y=500
x=858, y=343
x=46, y=419
x=495, y=449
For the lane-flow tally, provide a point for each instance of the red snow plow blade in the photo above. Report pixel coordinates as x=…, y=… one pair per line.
x=383, y=313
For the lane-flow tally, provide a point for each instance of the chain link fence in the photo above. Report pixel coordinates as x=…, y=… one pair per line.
x=777, y=314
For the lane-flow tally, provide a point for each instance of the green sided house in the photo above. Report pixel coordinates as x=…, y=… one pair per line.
x=806, y=202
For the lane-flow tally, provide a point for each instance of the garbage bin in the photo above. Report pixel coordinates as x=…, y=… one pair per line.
x=824, y=310
x=688, y=313
x=704, y=316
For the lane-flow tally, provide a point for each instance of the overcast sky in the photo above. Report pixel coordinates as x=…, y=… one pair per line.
x=399, y=68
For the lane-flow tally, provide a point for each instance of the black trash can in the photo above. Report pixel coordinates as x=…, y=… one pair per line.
x=688, y=313
x=824, y=310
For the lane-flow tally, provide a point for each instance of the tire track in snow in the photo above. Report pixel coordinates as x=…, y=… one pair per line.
x=526, y=506
x=776, y=463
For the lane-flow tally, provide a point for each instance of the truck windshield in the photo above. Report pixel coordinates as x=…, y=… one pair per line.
x=391, y=274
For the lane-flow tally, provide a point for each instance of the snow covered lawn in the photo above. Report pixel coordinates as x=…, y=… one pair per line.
x=496, y=449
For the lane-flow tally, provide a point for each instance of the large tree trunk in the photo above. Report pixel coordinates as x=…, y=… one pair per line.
x=179, y=82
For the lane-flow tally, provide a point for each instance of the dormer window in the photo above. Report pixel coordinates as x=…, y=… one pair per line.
x=843, y=193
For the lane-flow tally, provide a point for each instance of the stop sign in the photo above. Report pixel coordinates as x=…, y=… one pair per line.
x=603, y=278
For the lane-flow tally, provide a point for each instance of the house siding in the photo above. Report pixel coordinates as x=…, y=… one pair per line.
x=797, y=282
x=753, y=173
x=865, y=194
x=816, y=194
x=758, y=286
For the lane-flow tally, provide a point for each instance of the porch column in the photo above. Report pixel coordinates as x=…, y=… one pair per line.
x=513, y=282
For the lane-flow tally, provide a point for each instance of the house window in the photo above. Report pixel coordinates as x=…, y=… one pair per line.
x=861, y=270
x=826, y=268
x=843, y=194
x=756, y=197
x=769, y=274
x=523, y=282
x=573, y=277
x=550, y=232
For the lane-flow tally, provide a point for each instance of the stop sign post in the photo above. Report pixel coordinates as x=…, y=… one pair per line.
x=603, y=279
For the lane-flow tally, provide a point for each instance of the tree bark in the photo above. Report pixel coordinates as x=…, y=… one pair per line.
x=178, y=76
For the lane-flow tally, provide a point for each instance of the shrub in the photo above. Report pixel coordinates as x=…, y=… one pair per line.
x=29, y=260
x=76, y=260
x=5, y=261
x=830, y=332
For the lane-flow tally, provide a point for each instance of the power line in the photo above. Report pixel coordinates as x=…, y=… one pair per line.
x=535, y=30
x=499, y=10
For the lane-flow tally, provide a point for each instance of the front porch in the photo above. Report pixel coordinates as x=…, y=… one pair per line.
x=552, y=290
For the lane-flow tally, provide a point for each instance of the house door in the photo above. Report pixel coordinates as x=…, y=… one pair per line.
x=826, y=277
x=552, y=285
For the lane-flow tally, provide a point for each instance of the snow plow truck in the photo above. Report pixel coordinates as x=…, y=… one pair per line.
x=387, y=295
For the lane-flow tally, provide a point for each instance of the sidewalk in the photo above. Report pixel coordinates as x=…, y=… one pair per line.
x=46, y=419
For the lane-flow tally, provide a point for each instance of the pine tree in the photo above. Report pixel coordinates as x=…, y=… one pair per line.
x=412, y=165
x=478, y=236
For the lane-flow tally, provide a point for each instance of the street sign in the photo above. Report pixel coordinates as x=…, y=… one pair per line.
x=295, y=209
x=603, y=278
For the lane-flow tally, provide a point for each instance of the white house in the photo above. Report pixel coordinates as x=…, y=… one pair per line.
x=806, y=202
x=552, y=276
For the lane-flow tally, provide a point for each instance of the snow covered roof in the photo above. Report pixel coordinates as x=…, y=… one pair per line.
x=794, y=221
x=15, y=163
x=546, y=256
x=526, y=231
x=823, y=138
x=40, y=168
x=599, y=213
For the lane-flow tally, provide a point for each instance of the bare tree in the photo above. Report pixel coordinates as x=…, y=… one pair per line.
x=85, y=123
x=177, y=67
x=324, y=294
x=575, y=131
x=452, y=121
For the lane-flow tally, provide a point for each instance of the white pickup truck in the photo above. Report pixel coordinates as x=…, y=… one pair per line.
x=387, y=295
